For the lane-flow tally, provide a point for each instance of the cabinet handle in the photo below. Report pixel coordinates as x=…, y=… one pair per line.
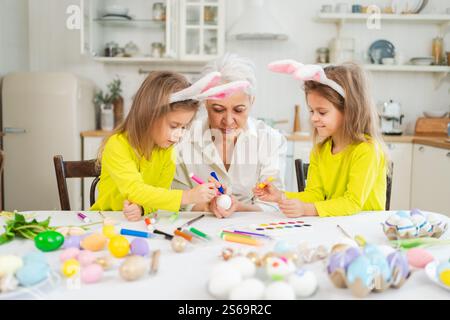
x=421, y=149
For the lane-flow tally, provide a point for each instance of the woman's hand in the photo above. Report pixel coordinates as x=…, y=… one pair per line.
x=202, y=193
x=294, y=208
x=132, y=211
x=220, y=212
x=269, y=193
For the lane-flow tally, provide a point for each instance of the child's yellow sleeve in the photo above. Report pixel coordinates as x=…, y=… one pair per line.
x=118, y=161
x=364, y=170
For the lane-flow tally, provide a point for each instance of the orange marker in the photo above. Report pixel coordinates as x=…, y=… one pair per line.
x=262, y=185
x=240, y=239
x=183, y=235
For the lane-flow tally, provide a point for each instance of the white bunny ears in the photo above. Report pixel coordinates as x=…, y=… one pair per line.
x=308, y=72
x=206, y=88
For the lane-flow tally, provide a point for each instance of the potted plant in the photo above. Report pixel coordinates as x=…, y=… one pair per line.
x=109, y=106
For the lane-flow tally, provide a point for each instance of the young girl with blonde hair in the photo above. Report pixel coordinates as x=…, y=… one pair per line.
x=347, y=170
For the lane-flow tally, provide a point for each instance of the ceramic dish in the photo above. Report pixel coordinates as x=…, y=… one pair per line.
x=435, y=114
x=116, y=17
x=116, y=9
x=381, y=49
x=430, y=271
x=422, y=61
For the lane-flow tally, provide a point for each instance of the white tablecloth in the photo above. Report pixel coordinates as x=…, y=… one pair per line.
x=184, y=275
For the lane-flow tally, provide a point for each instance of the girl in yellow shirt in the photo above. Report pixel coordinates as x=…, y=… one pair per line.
x=137, y=160
x=347, y=171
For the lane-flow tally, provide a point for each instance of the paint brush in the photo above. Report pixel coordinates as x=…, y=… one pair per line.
x=191, y=221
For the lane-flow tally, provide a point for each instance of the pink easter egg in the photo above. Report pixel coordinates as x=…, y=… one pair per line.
x=418, y=257
x=86, y=257
x=69, y=253
x=91, y=273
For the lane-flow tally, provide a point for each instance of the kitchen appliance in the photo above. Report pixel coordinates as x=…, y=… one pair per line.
x=43, y=114
x=391, y=118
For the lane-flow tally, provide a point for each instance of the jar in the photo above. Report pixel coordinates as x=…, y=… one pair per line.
x=438, y=50
x=111, y=49
x=323, y=55
x=131, y=49
x=157, y=50
x=159, y=11
x=107, y=117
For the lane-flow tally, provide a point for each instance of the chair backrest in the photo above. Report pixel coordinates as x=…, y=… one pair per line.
x=302, y=173
x=74, y=169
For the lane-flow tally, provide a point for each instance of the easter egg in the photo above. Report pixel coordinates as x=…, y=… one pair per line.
x=48, y=240
x=244, y=265
x=91, y=273
x=109, y=230
x=71, y=231
x=399, y=267
x=33, y=257
x=70, y=253
x=86, y=258
x=221, y=283
x=224, y=201
x=94, y=242
x=379, y=261
x=8, y=283
x=362, y=269
x=255, y=258
x=72, y=242
x=405, y=226
x=392, y=221
x=139, y=247
x=9, y=264
x=341, y=260
x=119, y=246
x=105, y=262
x=178, y=244
x=33, y=273
x=133, y=268
x=278, y=268
x=249, y=289
x=418, y=257
x=279, y=291
x=227, y=254
x=386, y=250
x=416, y=212
x=303, y=282
x=282, y=246
x=70, y=268
x=443, y=273
x=403, y=214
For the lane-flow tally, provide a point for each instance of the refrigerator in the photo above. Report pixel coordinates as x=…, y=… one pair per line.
x=42, y=114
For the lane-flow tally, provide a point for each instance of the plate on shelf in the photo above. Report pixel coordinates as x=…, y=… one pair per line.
x=422, y=61
x=116, y=17
x=381, y=49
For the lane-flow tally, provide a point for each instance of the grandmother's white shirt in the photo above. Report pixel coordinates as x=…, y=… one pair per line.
x=259, y=153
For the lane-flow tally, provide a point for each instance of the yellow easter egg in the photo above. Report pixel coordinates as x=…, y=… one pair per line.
x=70, y=268
x=109, y=231
x=94, y=242
x=119, y=246
x=444, y=276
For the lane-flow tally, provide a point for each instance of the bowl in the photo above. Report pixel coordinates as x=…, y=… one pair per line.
x=435, y=113
x=116, y=10
x=388, y=61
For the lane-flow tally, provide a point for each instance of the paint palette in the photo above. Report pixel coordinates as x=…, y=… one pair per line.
x=281, y=225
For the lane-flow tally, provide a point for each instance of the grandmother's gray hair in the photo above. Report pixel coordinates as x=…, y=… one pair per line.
x=234, y=68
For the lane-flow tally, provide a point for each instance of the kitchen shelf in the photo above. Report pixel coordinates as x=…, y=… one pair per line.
x=135, y=23
x=406, y=68
x=149, y=60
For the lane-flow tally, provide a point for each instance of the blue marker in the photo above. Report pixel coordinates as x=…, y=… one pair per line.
x=214, y=175
x=136, y=233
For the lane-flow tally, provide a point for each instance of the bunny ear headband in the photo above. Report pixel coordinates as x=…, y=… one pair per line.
x=305, y=72
x=206, y=88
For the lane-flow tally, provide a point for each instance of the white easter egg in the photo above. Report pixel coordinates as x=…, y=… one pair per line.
x=393, y=220
x=405, y=226
x=219, y=268
x=224, y=201
x=304, y=283
x=278, y=268
x=418, y=220
x=221, y=284
x=249, y=289
x=245, y=266
x=279, y=291
x=9, y=264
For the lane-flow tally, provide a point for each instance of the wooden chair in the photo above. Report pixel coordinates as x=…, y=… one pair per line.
x=301, y=170
x=75, y=169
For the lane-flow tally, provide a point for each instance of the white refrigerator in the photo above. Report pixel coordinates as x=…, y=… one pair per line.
x=42, y=115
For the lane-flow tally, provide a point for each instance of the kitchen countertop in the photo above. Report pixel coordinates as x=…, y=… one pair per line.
x=433, y=141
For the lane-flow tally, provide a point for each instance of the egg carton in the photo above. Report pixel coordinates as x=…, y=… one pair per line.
x=394, y=233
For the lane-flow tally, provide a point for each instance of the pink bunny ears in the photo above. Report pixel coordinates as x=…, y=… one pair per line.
x=206, y=88
x=308, y=72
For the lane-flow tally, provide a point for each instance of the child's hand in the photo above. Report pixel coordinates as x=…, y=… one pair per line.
x=270, y=193
x=294, y=208
x=131, y=211
x=220, y=212
x=201, y=193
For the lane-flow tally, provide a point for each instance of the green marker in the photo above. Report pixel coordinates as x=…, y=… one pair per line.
x=198, y=233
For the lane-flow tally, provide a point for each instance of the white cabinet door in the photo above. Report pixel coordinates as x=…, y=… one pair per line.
x=401, y=156
x=431, y=179
x=90, y=150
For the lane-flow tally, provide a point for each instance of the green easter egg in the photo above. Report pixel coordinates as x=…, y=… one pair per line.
x=48, y=240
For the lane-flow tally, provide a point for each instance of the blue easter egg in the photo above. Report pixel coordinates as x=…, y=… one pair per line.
x=403, y=214
x=361, y=268
x=34, y=257
x=32, y=273
x=282, y=246
x=139, y=247
x=378, y=261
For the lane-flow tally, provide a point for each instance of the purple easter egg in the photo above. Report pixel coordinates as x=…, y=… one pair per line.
x=398, y=260
x=139, y=247
x=341, y=260
x=72, y=242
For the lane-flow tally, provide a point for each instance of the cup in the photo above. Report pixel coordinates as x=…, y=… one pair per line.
x=399, y=58
x=356, y=8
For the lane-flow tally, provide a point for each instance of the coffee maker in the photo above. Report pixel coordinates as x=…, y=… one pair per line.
x=391, y=118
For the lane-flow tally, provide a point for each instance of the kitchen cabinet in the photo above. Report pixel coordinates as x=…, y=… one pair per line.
x=401, y=156
x=430, y=189
x=193, y=30
x=90, y=147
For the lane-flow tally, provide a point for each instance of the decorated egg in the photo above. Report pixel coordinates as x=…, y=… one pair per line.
x=418, y=257
x=91, y=273
x=361, y=276
x=278, y=268
x=139, y=247
x=221, y=283
x=227, y=253
x=244, y=265
x=341, y=260
x=70, y=268
x=133, y=268
x=105, y=262
x=379, y=262
x=9, y=264
x=48, y=240
x=403, y=214
x=109, y=230
x=94, y=242
x=8, y=283
x=283, y=246
x=249, y=289
x=279, y=290
x=70, y=253
x=178, y=244
x=224, y=201
x=119, y=246
x=443, y=273
x=393, y=220
x=399, y=267
x=33, y=257
x=71, y=231
x=31, y=274
x=72, y=242
x=86, y=258
x=304, y=283
x=406, y=227
x=255, y=258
